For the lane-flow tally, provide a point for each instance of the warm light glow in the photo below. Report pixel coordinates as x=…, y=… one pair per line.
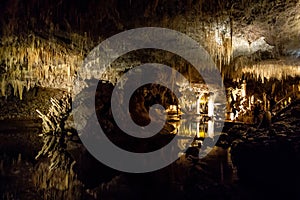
x=210, y=129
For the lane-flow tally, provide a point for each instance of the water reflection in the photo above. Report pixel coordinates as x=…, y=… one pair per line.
x=196, y=127
x=210, y=129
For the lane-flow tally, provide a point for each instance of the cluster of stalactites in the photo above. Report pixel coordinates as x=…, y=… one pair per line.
x=221, y=46
x=277, y=69
x=32, y=61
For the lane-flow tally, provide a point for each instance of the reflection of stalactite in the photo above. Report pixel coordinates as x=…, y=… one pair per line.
x=54, y=133
x=56, y=172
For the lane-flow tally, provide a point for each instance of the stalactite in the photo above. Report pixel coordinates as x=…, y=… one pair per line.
x=20, y=89
x=38, y=55
x=14, y=86
x=3, y=87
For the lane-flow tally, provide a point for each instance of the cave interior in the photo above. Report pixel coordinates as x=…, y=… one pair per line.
x=233, y=109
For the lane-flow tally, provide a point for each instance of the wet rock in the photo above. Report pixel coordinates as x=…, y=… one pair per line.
x=267, y=157
x=223, y=141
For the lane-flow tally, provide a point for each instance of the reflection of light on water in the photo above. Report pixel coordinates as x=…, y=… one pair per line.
x=189, y=129
x=210, y=129
x=196, y=128
x=183, y=143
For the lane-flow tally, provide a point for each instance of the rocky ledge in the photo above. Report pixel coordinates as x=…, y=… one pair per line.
x=269, y=158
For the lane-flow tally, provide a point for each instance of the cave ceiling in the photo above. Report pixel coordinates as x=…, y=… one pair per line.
x=276, y=21
x=229, y=30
